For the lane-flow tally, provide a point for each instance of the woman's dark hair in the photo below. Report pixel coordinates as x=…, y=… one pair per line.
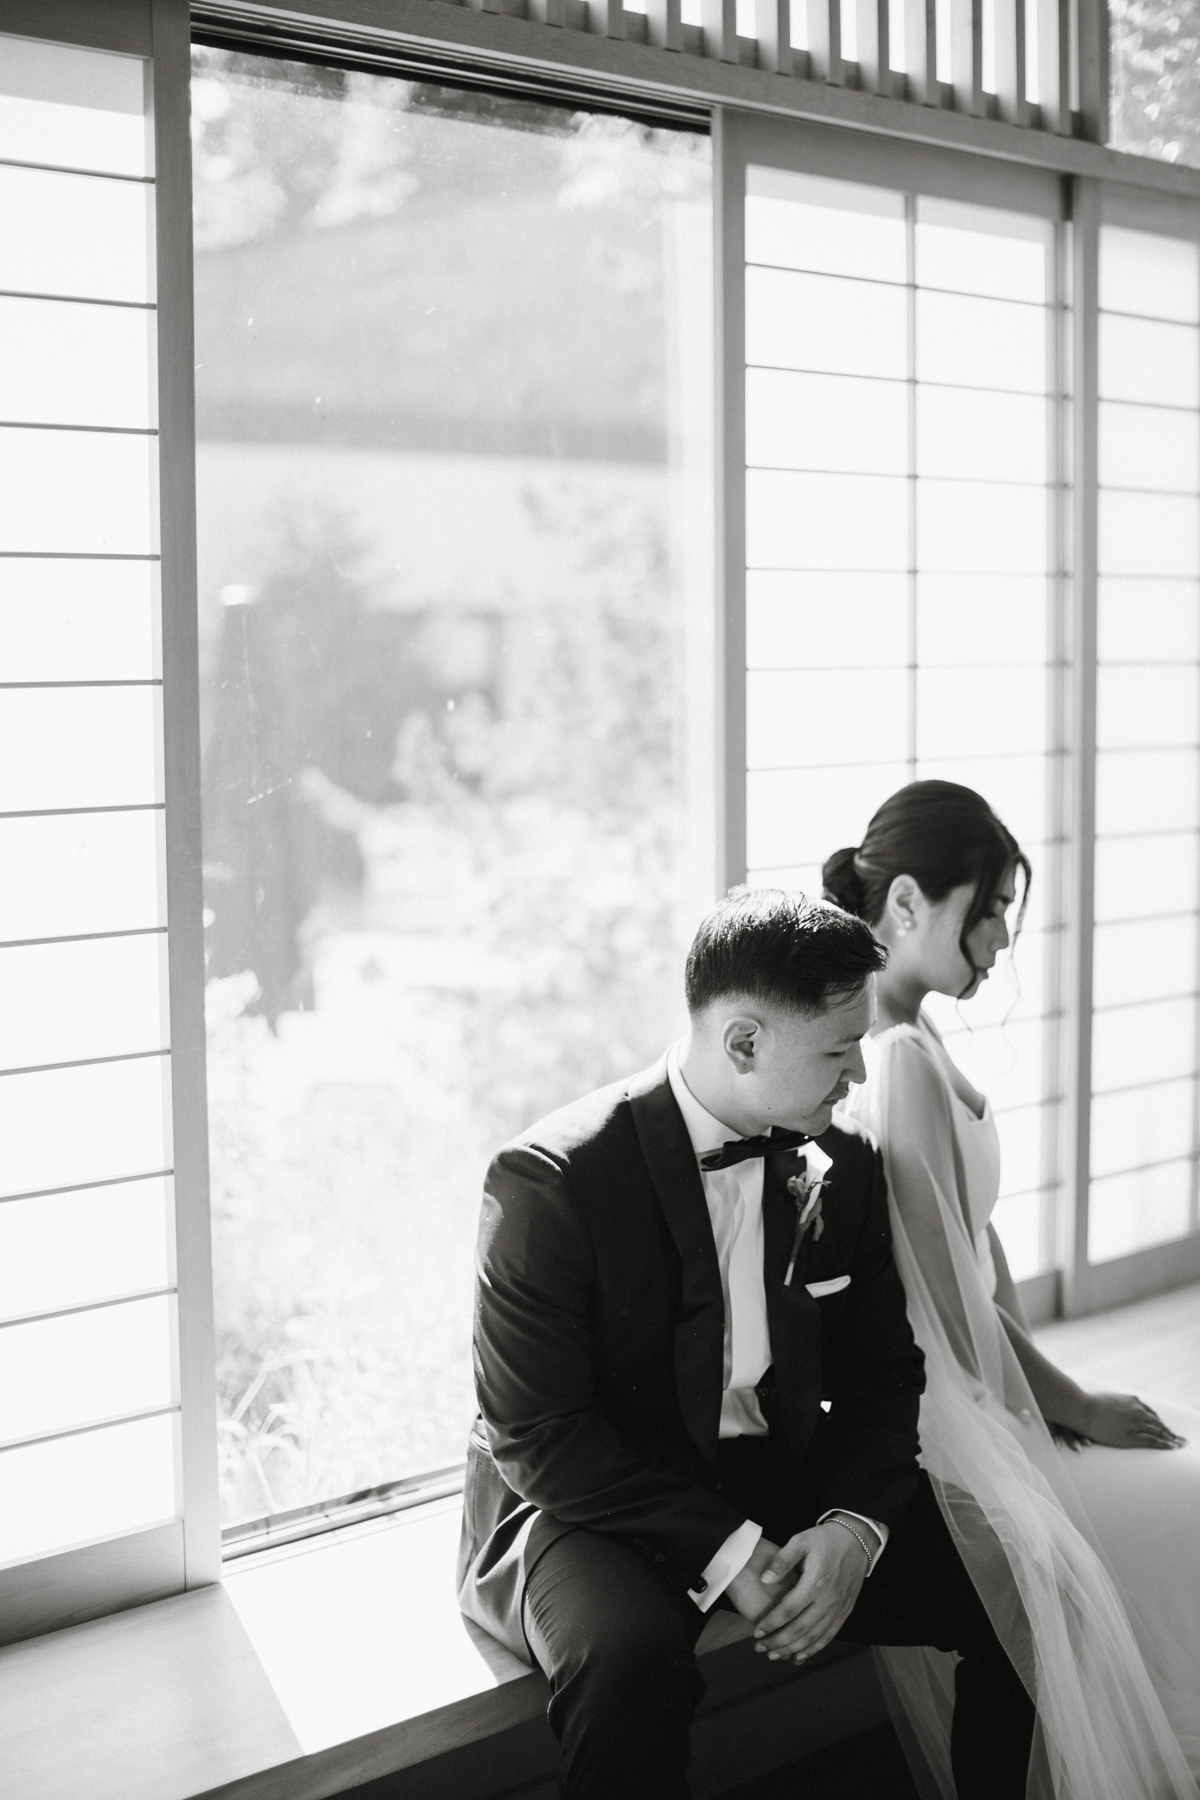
x=943, y=836
x=781, y=949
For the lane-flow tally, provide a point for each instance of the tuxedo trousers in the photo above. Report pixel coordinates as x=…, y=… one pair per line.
x=617, y=1643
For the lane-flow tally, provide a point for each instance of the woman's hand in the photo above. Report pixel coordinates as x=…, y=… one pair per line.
x=1127, y=1423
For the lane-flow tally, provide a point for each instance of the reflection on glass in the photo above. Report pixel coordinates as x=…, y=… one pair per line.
x=68, y=1249
x=825, y=422
x=76, y=236
x=820, y=322
x=66, y=620
x=831, y=227
x=454, y=503
x=85, y=1487
x=78, y=1001
x=87, y=872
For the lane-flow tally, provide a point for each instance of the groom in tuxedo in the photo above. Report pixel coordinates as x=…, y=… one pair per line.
x=696, y=1379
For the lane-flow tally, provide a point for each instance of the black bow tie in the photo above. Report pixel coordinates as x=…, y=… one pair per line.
x=740, y=1149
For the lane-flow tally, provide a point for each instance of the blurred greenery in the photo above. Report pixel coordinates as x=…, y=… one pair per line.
x=1155, y=50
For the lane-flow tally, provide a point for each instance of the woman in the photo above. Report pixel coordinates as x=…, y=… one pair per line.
x=1071, y=1546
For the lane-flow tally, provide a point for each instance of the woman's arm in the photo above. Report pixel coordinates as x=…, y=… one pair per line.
x=1120, y=1420
x=1007, y=1296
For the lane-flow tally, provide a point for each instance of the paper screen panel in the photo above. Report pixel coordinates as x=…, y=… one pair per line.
x=104, y=1121
x=81, y=874
x=74, y=620
x=73, y=1002
x=70, y=1249
x=72, y=1490
x=73, y=108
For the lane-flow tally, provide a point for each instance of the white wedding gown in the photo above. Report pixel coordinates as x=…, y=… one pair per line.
x=1088, y=1561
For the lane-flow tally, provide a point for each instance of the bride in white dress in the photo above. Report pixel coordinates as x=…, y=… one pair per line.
x=1086, y=1550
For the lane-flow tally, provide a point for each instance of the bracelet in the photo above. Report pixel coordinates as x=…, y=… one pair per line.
x=836, y=1519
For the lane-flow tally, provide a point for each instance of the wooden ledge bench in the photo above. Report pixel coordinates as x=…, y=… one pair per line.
x=343, y=1666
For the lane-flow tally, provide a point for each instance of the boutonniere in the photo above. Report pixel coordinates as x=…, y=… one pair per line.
x=806, y=1191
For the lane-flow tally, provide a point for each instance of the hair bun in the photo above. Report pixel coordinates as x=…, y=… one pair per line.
x=842, y=882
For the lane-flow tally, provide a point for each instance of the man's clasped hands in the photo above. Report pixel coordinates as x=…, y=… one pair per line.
x=821, y=1570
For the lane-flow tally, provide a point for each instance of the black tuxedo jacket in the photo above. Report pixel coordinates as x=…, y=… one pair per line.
x=599, y=1346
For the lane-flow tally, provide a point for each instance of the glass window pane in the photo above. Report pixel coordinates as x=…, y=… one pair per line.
x=90, y=872
x=1014, y=785
x=65, y=364
x=1147, y=705
x=818, y=322
x=1148, y=960
x=804, y=815
x=825, y=521
x=795, y=720
x=77, y=1489
x=76, y=236
x=981, y=343
x=1158, y=1041
x=79, y=1367
x=825, y=621
x=980, y=712
x=981, y=436
x=1131, y=1212
x=67, y=1249
x=978, y=250
x=1144, y=1125
x=1018, y=1220
x=63, y=747
x=981, y=619
x=1145, y=790
x=1144, y=877
x=77, y=493
x=1158, y=277
x=1149, y=447
x=1147, y=361
x=831, y=227
x=79, y=621
x=120, y=1125
x=1148, y=534
x=77, y=109
x=73, y=1002
x=1148, y=621
x=457, y=765
x=825, y=422
x=967, y=525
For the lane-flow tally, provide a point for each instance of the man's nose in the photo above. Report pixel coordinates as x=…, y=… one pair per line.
x=856, y=1068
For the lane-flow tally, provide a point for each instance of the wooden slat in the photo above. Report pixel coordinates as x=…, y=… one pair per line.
x=773, y=28
x=1010, y=60
x=547, y=12
x=719, y=21
x=663, y=24
x=920, y=50
x=1093, y=69
x=966, y=54
x=825, y=40
x=75, y=1585
x=874, y=61
x=1054, y=65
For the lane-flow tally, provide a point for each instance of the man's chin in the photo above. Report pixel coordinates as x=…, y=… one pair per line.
x=821, y=1120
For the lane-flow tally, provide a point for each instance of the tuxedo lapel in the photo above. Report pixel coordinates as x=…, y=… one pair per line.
x=793, y=1316
x=700, y=1328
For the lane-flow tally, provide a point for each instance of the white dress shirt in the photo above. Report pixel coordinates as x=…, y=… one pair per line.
x=734, y=1199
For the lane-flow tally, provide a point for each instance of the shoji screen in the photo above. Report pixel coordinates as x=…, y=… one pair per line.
x=88, y=1379
x=1147, y=901
x=902, y=571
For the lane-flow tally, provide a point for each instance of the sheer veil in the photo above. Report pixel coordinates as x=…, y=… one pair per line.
x=1103, y=1727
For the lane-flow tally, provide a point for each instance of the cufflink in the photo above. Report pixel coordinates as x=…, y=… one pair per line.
x=701, y=1586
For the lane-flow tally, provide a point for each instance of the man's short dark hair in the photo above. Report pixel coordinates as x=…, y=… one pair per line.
x=781, y=949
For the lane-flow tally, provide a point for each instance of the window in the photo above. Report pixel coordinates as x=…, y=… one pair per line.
x=88, y=1376
x=454, y=362
x=902, y=574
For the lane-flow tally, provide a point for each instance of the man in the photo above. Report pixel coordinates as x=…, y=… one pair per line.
x=697, y=1381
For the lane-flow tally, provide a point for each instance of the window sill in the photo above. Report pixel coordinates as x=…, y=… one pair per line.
x=320, y=1666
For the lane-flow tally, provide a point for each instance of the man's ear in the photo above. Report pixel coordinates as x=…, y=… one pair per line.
x=741, y=1040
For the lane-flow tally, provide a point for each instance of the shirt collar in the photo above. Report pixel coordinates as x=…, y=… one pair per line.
x=706, y=1132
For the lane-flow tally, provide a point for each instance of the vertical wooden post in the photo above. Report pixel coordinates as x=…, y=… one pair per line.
x=966, y=54
x=920, y=50
x=1054, y=65
x=607, y=17
x=729, y=266
x=1010, y=61
x=1092, y=19
x=773, y=28
x=719, y=19
x=663, y=24
x=171, y=80
x=1086, y=333
x=874, y=57
x=825, y=40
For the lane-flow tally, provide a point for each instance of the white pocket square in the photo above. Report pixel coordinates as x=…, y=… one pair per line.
x=818, y=1289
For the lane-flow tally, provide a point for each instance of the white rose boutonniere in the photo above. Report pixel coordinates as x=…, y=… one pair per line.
x=806, y=1190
